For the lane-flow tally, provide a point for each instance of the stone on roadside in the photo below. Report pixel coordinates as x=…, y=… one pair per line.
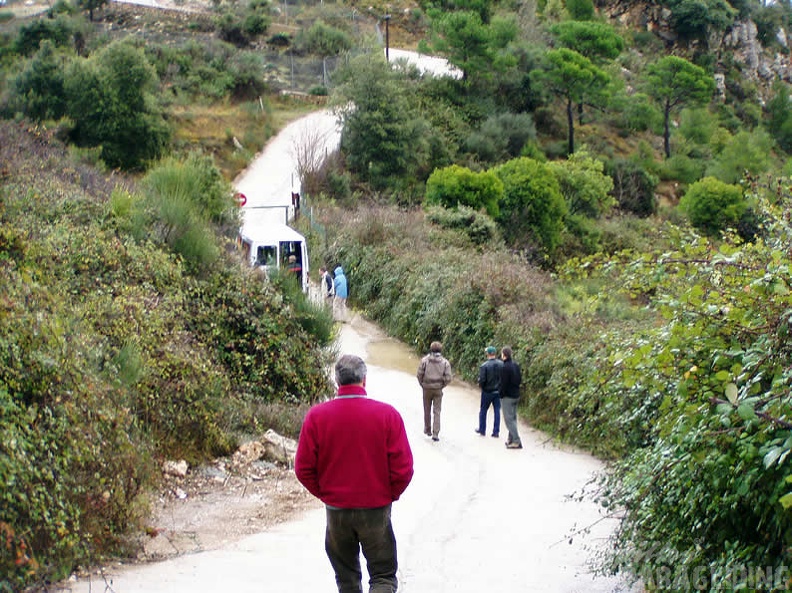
x=272, y=447
x=175, y=468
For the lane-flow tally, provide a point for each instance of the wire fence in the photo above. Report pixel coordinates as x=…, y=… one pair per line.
x=285, y=71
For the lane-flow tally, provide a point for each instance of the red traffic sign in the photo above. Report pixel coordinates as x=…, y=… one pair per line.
x=241, y=199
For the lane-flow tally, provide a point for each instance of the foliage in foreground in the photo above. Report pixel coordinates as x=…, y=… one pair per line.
x=115, y=353
x=703, y=498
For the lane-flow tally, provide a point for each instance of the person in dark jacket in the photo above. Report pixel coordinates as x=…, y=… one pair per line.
x=354, y=456
x=489, y=381
x=434, y=374
x=510, y=396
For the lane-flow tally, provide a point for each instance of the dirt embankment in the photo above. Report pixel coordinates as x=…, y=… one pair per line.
x=218, y=504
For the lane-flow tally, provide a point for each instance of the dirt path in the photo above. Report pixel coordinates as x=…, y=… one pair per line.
x=477, y=516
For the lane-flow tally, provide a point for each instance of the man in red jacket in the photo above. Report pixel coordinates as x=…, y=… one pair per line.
x=354, y=456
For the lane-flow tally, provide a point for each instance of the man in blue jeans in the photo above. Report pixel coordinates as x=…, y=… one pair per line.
x=489, y=381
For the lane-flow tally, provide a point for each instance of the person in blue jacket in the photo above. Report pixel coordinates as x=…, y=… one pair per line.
x=341, y=293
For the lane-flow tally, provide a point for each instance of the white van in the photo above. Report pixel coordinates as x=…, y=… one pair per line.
x=274, y=245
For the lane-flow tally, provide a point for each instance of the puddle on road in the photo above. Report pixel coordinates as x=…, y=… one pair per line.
x=392, y=354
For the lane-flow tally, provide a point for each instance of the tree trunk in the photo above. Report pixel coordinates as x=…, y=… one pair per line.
x=667, y=132
x=571, y=126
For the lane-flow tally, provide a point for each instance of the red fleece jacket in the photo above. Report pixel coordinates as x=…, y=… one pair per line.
x=353, y=451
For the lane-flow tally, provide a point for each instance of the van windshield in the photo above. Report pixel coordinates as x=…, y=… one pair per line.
x=266, y=255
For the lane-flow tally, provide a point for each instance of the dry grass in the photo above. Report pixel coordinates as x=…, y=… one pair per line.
x=213, y=128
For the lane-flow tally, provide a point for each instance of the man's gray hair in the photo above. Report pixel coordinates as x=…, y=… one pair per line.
x=349, y=370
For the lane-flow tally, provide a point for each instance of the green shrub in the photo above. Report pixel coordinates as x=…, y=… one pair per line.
x=38, y=90
x=478, y=227
x=459, y=186
x=258, y=338
x=532, y=207
x=745, y=153
x=636, y=113
x=181, y=200
x=707, y=489
x=29, y=37
x=712, y=205
x=231, y=29
x=633, y=187
x=244, y=69
x=580, y=10
x=683, y=168
x=501, y=136
x=586, y=189
x=323, y=40
x=697, y=125
x=109, y=100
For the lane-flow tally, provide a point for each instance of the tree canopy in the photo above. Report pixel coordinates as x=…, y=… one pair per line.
x=597, y=41
x=110, y=98
x=383, y=137
x=574, y=78
x=673, y=82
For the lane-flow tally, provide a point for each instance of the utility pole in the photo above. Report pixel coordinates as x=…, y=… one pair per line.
x=387, y=38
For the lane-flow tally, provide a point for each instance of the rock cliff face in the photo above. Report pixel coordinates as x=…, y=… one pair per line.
x=738, y=45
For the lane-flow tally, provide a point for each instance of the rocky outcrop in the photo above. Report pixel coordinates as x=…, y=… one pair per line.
x=759, y=64
x=738, y=45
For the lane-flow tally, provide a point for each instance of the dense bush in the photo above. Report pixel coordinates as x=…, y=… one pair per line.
x=478, y=227
x=181, y=201
x=323, y=40
x=636, y=113
x=633, y=187
x=422, y=284
x=456, y=186
x=532, y=207
x=109, y=99
x=113, y=357
x=746, y=153
x=704, y=494
x=38, y=91
x=712, y=205
x=501, y=137
x=239, y=26
x=586, y=189
x=29, y=38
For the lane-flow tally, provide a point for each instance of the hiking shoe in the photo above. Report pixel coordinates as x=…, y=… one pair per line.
x=428, y=433
x=479, y=432
x=435, y=438
x=514, y=445
x=495, y=435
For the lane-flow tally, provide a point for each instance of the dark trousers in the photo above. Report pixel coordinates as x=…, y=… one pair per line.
x=349, y=531
x=433, y=404
x=489, y=398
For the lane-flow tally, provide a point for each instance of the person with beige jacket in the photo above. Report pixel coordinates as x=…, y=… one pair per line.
x=434, y=373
